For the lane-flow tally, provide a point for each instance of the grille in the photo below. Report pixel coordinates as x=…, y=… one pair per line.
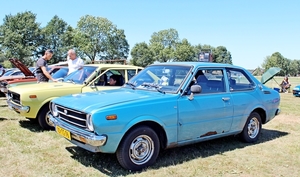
x=14, y=96
x=71, y=116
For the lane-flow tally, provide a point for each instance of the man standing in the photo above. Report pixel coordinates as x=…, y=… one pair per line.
x=74, y=62
x=41, y=67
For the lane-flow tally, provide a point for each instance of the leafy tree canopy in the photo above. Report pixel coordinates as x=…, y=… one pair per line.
x=99, y=39
x=20, y=35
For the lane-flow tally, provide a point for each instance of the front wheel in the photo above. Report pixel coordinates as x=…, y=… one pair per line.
x=138, y=149
x=43, y=118
x=252, y=128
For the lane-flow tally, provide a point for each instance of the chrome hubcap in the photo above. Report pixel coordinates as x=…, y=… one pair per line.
x=253, y=127
x=141, y=149
x=48, y=119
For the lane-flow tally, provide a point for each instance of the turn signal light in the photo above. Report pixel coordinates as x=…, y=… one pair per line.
x=32, y=96
x=111, y=117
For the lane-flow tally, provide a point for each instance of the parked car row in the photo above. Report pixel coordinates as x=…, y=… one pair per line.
x=32, y=101
x=24, y=75
x=162, y=106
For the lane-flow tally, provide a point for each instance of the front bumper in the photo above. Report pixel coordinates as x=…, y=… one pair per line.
x=3, y=89
x=296, y=93
x=16, y=107
x=87, y=140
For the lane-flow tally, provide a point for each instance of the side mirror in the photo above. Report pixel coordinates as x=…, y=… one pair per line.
x=195, y=89
x=93, y=85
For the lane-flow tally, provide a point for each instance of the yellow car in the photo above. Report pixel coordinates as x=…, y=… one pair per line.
x=32, y=100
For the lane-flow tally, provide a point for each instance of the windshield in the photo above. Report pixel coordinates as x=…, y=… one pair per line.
x=80, y=75
x=7, y=73
x=163, y=78
x=61, y=73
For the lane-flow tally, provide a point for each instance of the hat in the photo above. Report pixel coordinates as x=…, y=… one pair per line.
x=49, y=51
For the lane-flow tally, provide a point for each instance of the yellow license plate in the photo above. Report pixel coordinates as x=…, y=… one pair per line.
x=63, y=132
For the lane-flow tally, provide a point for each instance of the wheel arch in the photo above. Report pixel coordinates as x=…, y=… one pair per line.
x=45, y=103
x=262, y=114
x=159, y=130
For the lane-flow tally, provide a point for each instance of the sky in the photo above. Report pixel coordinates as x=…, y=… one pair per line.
x=251, y=30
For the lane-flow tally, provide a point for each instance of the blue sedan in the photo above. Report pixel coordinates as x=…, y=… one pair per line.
x=164, y=106
x=296, y=91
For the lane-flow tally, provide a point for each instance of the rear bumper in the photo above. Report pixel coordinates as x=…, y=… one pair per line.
x=277, y=112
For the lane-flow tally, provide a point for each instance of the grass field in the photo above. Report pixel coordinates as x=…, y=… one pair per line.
x=26, y=150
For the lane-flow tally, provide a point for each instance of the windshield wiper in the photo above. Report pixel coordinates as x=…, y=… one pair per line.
x=71, y=80
x=132, y=85
x=154, y=86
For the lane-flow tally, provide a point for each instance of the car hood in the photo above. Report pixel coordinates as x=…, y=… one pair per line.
x=91, y=101
x=44, y=87
x=18, y=64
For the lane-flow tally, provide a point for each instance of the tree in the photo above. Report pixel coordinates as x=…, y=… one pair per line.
x=141, y=55
x=163, y=44
x=276, y=60
x=221, y=55
x=53, y=35
x=99, y=39
x=294, y=67
x=20, y=36
x=184, y=51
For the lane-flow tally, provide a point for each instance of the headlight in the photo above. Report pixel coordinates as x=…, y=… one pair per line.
x=89, y=122
x=54, y=109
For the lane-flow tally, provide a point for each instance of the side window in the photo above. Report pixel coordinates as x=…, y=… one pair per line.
x=238, y=80
x=211, y=80
x=130, y=73
x=103, y=80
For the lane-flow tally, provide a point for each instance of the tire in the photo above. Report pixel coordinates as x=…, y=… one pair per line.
x=138, y=149
x=43, y=118
x=252, y=128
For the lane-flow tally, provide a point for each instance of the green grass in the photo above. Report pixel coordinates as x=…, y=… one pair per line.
x=26, y=150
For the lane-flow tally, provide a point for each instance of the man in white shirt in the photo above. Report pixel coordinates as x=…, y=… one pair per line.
x=74, y=62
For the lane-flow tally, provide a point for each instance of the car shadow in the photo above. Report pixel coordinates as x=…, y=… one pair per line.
x=108, y=163
x=3, y=119
x=31, y=125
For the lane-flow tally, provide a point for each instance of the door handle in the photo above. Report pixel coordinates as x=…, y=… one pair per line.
x=225, y=98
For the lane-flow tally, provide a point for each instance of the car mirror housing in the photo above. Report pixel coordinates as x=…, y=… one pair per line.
x=196, y=89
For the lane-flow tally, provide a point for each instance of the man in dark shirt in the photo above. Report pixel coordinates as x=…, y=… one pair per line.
x=41, y=67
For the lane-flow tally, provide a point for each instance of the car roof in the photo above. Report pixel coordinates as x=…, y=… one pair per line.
x=199, y=64
x=113, y=66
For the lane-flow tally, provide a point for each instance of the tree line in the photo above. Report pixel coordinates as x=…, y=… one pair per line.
x=94, y=38
x=97, y=39
x=288, y=67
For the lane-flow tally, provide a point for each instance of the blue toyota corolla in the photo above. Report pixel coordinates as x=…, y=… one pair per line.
x=166, y=105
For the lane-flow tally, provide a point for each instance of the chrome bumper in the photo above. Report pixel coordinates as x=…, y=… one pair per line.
x=3, y=89
x=85, y=138
x=16, y=107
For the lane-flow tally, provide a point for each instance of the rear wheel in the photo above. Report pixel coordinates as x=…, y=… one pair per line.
x=138, y=149
x=43, y=118
x=252, y=128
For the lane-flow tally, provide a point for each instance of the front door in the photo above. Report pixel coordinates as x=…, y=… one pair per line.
x=209, y=112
